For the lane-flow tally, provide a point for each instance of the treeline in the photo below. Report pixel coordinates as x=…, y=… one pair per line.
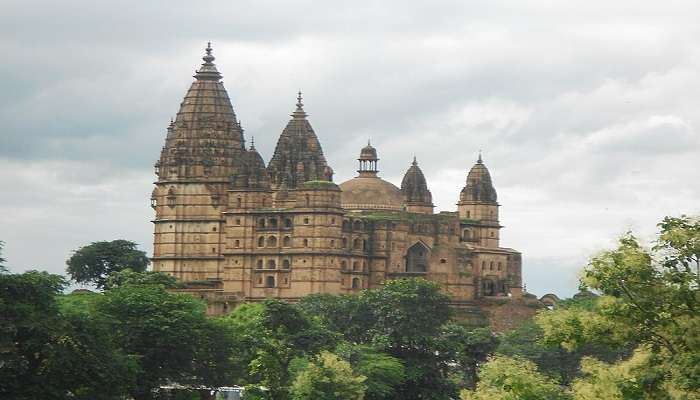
x=638, y=339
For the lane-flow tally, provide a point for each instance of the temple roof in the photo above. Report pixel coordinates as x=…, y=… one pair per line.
x=368, y=191
x=205, y=140
x=415, y=187
x=298, y=156
x=479, y=187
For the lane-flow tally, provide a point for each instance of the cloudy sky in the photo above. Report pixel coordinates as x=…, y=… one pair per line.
x=587, y=112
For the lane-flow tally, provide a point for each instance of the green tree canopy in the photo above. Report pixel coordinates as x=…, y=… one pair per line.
x=169, y=335
x=328, y=377
x=95, y=262
x=129, y=277
x=651, y=299
x=55, y=350
x=505, y=378
x=270, y=336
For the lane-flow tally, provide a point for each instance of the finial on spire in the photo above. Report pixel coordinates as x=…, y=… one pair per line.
x=299, y=113
x=415, y=162
x=252, y=142
x=208, y=70
x=479, y=161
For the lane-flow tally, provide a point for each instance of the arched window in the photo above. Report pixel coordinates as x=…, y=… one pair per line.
x=270, y=281
x=355, y=265
x=468, y=214
x=491, y=266
x=272, y=222
x=466, y=234
x=285, y=264
x=260, y=264
x=356, y=244
x=271, y=264
x=343, y=265
x=287, y=241
x=357, y=226
x=356, y=284
x=237, y=243
x=417, y=258
x=239, y=202
x=346, y=225
x=364, y=266
x=306, y=242
x=272, y=241
x=287, y=223
x=261, y=223
x=364, y=244
x=499, y=265
x=261, y=241
x=307, y=199
x=491, y=233
x=332, y=243
x=345, y=243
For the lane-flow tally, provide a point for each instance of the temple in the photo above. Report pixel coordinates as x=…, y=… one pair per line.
x=237, y=230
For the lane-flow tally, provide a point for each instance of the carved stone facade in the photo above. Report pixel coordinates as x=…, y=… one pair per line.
x=239, y=231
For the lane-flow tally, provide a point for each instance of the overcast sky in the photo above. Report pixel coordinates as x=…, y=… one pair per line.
x=587, y=112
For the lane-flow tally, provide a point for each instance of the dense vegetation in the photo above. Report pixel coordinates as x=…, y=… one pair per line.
x=638, y=339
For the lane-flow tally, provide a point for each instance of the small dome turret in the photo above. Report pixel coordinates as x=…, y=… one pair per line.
x=479, y=187
x=415, y=188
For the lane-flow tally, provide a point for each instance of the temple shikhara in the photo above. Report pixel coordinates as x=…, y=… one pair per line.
x=238, y=230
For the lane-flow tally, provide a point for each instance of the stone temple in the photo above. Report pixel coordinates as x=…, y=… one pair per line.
x=238, y=230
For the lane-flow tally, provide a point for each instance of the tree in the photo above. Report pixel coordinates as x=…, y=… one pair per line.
x=55, y=350
x=270, y=336
x=169, y=335
x=328, y=378
x=403, y=319
x=550, y=355
x=3, y=268
x=383, y=372
x=129, y=277
x=95, y=262
x=505, y=378
x=651, y=299
x=465, y=350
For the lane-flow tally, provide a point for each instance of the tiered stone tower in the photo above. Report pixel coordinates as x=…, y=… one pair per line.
x=201, y=153
x=298, y=157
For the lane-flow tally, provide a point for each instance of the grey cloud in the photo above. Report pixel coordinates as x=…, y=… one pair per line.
x=584, y=109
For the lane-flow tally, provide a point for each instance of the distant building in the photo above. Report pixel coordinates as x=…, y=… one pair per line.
x=239, y=230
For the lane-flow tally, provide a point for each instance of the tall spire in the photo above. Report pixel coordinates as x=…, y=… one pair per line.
x=208, y=71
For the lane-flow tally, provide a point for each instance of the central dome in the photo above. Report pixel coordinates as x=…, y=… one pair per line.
x=368, y=191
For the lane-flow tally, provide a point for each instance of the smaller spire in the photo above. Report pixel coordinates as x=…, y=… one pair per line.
x=252, y=143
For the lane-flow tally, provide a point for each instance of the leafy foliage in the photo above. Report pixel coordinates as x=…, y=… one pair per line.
x=505, y=378
x=95, y=262
x=270, y=336
x=129, y=277
x=170, y=336
x=52, y=351
x=328, y=378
